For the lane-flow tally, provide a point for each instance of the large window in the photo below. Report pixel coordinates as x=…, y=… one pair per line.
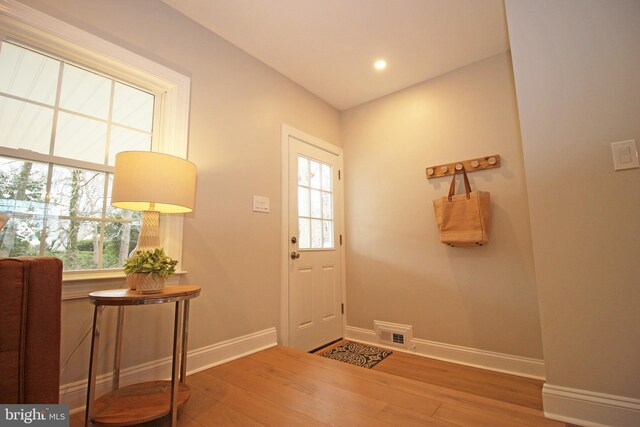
x=57, y=146
x=69, y=101
x=61, y=126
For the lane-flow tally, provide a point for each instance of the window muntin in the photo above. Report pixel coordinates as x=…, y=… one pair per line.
x=60, y=128
x=315, y=204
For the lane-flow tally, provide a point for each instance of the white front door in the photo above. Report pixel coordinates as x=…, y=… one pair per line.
x=314, y=240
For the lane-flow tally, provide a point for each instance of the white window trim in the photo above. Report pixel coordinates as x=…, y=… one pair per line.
x=31, y=26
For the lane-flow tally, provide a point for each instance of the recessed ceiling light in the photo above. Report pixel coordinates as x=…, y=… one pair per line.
x=380, y=64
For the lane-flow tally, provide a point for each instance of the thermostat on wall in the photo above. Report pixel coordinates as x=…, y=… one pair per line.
x=625, y=155
x=261, y=204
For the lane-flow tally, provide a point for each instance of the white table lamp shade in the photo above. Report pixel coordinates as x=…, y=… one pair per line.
x=153, y=183
x=144, y=180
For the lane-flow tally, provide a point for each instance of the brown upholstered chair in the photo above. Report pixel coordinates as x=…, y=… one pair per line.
x=30, y=300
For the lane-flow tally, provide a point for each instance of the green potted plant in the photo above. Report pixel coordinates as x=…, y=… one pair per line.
x=147, y=270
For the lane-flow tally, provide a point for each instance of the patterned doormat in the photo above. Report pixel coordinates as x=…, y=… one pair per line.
x=357, y=354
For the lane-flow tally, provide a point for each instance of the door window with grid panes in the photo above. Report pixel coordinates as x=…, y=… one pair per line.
x=61, y=125
x=315, y=204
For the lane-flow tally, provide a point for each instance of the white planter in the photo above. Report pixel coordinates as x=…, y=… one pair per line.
x=145, y=283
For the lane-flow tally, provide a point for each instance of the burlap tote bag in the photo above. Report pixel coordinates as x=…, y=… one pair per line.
x=463, y=220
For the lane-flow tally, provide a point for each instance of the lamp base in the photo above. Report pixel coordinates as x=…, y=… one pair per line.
x=149, y=237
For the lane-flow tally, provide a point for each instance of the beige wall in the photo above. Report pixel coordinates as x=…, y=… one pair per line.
x=237, y=107
x=577, y=73
x=397, y=269
x=576, y=68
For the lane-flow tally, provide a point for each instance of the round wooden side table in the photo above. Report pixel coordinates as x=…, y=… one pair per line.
x=138, y=403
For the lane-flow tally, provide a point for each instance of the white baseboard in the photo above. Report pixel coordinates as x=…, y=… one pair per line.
x=588, y=408
x=500, y=362
x=75, y=394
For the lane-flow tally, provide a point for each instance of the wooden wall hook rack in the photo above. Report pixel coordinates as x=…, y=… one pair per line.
x=471, y=165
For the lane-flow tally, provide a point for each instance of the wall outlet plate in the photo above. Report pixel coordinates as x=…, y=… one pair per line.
x=625, y=155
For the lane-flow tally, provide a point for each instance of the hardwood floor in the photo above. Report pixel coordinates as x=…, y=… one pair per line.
x=286, y=387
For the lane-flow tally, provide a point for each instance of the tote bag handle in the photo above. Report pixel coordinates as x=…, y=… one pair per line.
x=467, y=186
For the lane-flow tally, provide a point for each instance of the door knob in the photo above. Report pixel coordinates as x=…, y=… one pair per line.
x=295, y=255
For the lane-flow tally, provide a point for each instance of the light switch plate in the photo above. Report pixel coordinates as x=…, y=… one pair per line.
x=261, y=204
x=625, y=155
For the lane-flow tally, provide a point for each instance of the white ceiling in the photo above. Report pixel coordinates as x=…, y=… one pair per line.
x=329, y=46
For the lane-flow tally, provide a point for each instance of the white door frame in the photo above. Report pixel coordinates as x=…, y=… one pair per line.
x=288, y=131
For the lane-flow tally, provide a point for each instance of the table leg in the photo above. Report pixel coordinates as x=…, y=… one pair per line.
x=118, y=351
x=185, y=346
x=177, y=343
x=93, y=363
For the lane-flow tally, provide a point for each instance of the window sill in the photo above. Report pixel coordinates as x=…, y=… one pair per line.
x=78, y=285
